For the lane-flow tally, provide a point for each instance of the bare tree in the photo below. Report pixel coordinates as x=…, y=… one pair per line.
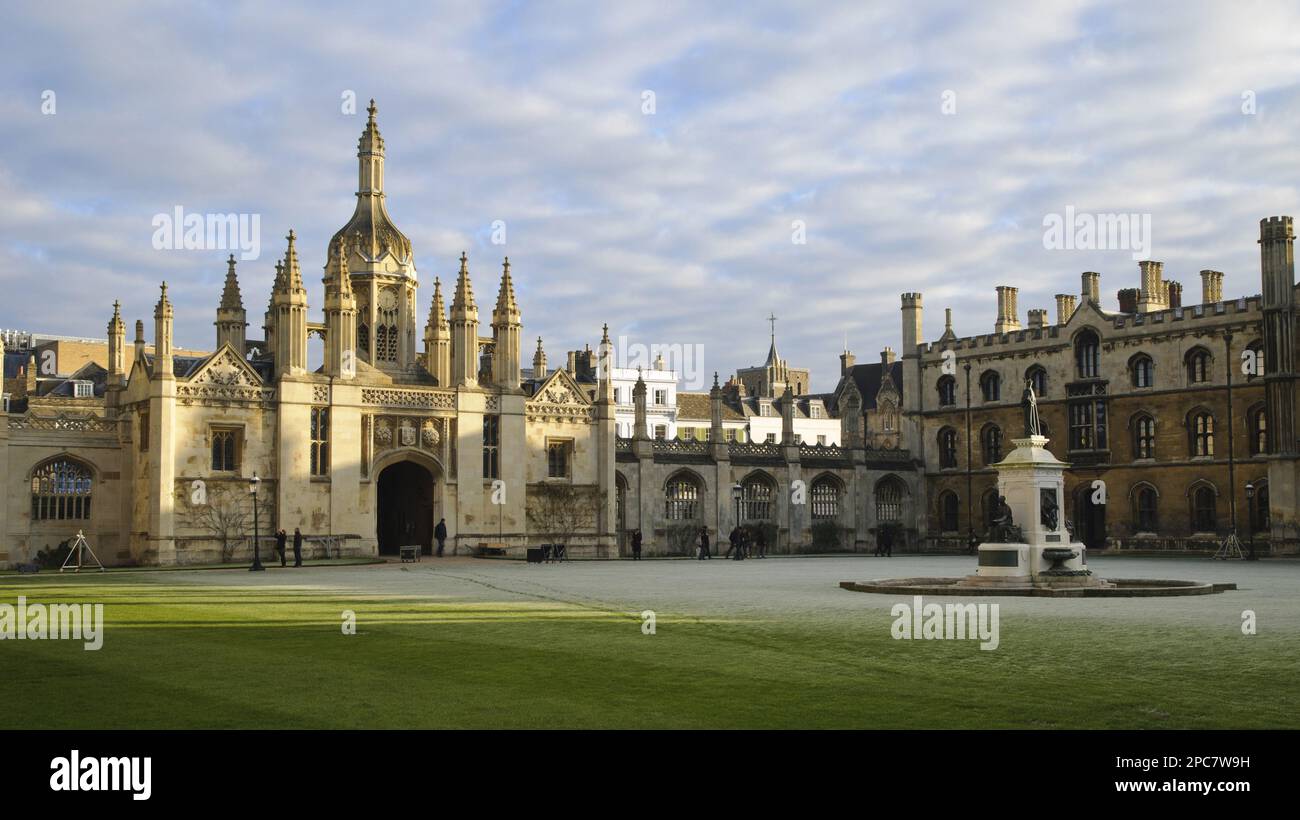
x=224, y=510
x=560, y=511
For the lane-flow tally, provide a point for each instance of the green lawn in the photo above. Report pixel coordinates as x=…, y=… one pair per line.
x=179, y=655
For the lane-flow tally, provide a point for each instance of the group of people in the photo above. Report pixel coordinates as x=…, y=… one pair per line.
x=281, y=538
x=745, y=542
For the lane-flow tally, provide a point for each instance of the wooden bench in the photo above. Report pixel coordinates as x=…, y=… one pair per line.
x=491, y=548
x=409, y=553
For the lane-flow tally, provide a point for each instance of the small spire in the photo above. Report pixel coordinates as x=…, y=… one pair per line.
x=292, y=271
x=716, y=386
x=437, y=311
x=230, y=296
x=507, y=307
x=604, y=335
x=464, y=298
x=164, y=307
x=372, y=109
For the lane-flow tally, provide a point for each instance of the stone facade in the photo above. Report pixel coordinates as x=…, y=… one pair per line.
x=1165, y=412
x=364, y=454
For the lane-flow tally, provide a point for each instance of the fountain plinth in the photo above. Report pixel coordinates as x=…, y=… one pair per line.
x=1029, y=544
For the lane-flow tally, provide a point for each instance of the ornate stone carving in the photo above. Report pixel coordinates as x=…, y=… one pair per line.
x=383, y=434
x=425, y=399
x=320, y=394
x=429, y=434
x=406, y=434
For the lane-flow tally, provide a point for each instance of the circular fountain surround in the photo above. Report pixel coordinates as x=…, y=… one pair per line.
x=1115, y=588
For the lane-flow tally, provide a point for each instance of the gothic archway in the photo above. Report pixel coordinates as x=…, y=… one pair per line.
x=404, y=512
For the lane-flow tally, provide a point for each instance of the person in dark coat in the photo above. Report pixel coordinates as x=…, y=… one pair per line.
x=636, y=545
x=886, y=541
x=760, y=542
x=280, y=537
x=704, y=543
x=297, y=547
x=973, y=544
x=440, y=533
x=733, y=538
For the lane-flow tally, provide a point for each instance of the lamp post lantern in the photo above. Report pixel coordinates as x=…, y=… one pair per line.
x=257, y=558
x=736, y=492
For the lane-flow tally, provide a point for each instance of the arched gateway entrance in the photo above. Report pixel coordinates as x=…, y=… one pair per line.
x=405, y=507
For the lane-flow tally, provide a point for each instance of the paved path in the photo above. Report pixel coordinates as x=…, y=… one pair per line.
x=792, y=588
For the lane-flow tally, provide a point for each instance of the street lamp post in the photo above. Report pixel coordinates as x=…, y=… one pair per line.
x=736, y=491
x=1250, y=519
x=257, y=558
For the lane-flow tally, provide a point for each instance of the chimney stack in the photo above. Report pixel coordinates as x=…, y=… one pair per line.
x=1128, y=299
x=1211, y=287
x=847, y=360
x=1038, y=318
x=887, y=357
x=1091, y=291
x=1153, y=293
x=1064, y=307
x=1008, y=315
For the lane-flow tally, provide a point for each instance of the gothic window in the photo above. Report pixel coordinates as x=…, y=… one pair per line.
x=320, y=441
x=991, y=438
x=947, y=448
x=1198, y=366
x=991, y=386
x=144, y=430
x=1144, y=437
x=949, y=511
x=363, y=340
x=1258, y=430
x=661, y=432
x=1088, y=425
x=889, y=501
x=947, y=391
x=757, y=494
x=1087, y=356
x=1255, y=360
x=491, y=446
x=61, y=491
x=682, y=498
x=1037, y=377
x=1200, y=427
x=225, y=451
x=1145, y=512
x=1143, y=370
x=825, y=499
x=1204, y=518
x=557, y=458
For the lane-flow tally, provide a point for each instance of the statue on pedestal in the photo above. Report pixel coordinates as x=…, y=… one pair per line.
x=1029, y=403
x=1003, y=529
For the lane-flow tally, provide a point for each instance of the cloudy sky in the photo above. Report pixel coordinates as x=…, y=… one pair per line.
x=919, y=144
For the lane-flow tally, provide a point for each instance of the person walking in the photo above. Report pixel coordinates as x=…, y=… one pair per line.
x=742, y=540
x=440, y=533
x=704, y=543
x=886, y=541
x=297, y=547
x=280, y=537
x=636, y=545
x=760, y=541
x=733, y=538
x=973, y=544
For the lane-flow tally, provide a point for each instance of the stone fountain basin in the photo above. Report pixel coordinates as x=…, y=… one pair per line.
x=1123, y=588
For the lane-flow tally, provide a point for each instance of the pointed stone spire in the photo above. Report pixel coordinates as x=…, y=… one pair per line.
x=232, y=320
x=506, y=304
x=539, y=361
x=437, y=338
x=231, y=299
x=162, y=340
x=340, y=315
x=464, y=331
x=464, y=298
x=437, y=310
x=293, y=273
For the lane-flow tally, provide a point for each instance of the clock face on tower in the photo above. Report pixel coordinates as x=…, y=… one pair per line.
x=387, y=299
